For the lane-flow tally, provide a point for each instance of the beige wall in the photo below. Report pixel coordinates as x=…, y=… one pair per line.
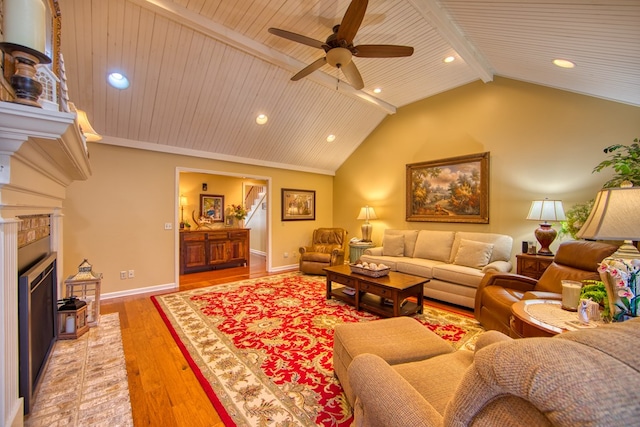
x=116, y=218
x=543, y=143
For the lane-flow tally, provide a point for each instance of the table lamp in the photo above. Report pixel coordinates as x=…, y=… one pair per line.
x=615, y=216
x=367, y=213
x=546, y=210
x=183, y=202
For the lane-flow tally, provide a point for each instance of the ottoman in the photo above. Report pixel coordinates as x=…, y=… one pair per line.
x=396, y=340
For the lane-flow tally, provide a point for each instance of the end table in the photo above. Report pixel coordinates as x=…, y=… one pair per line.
x=357, y=249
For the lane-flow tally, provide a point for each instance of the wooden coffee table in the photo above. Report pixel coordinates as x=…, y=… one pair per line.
x=370, y=292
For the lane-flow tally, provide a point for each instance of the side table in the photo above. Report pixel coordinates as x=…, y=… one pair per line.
x=543, y=318
x=357, y=249
x=532, y=265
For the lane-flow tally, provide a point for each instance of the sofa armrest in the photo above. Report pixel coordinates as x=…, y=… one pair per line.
x=542, y=295
x=304, y=249
x=498, y=266
x=490, y=337
x=377, y=251
x=337, y=256
x=384, y=398
x=506, y=280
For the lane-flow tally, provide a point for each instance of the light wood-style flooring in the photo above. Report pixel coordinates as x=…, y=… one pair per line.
x=164, y=390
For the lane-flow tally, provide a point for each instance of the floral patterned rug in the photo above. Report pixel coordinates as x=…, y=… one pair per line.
x=262, y=348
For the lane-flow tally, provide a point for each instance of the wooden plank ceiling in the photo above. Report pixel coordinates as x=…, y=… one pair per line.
x=202, y=70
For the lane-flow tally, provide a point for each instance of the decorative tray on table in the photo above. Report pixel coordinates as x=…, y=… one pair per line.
x=369, y=272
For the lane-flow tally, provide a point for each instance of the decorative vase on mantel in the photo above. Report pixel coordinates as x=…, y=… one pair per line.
x=239, y=223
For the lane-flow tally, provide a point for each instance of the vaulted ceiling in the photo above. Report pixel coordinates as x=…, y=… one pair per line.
x=202, y=70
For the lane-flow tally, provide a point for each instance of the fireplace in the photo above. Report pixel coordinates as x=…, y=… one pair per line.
x=37, y=306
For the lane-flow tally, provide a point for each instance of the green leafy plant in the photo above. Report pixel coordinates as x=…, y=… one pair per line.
x=625, y=160
x=576, y=217
x=596, y=292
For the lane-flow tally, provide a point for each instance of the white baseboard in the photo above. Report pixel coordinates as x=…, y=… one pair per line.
x=283, y=268
x=138, y=291
x=257, y=252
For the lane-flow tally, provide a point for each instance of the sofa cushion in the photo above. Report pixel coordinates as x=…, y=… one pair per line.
x=435, y=245
x=502, y=244
x=417, y=266
x=459, y=274
x=410, y=237
x=393, y=245
x=473, y=254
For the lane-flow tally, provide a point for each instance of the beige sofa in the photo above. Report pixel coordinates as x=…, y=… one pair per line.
x=581, y=378
x=455, y=262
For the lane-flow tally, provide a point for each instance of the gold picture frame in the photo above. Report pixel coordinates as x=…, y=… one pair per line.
x=455, y=189
x=298, y=205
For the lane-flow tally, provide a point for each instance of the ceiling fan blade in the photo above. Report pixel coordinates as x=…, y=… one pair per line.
x=309, y=69
x=382, y=51
x=296, y=37
x=353, y=75
x=352, y=20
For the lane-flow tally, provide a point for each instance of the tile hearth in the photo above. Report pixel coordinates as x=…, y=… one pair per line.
x=85, y=382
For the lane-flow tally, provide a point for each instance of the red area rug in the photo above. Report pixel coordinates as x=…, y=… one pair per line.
x=262, y=348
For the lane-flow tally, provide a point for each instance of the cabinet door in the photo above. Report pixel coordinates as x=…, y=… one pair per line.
x=238, y=249
x=217, y=252
x=194, y=254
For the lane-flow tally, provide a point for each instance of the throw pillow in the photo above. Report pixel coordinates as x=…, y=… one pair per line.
x=393, y=245
x=473, y=254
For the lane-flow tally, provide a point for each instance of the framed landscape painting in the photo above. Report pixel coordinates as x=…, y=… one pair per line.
x=212, y=207
x=449, y=190
x=298, y=205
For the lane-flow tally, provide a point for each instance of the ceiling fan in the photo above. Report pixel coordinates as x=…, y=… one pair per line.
x=339, y=46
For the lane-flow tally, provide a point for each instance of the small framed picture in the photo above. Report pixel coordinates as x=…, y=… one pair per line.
x=212, y=207
x=298, y=205
x=228, y=222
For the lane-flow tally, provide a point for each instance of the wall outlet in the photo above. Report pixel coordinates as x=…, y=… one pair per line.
x=123, y=275
x=132, y=274
x=168, y=226
x=286, y=255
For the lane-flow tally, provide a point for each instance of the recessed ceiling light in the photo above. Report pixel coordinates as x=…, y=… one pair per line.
x=449, y=59
x=377, y=90
x=563, y=63
x=331, y=138
x=118, y=80
x=261, y=119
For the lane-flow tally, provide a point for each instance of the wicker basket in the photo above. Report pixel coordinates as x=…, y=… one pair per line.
x=367, y=272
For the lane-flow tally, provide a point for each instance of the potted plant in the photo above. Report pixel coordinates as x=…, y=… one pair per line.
x=576, y=217
x=625, y=161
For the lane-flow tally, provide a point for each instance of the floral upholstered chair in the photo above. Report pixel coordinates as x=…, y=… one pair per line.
x=327, y=248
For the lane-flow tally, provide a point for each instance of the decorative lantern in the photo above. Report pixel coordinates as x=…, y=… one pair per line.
x=72, y=318
x=86, y=286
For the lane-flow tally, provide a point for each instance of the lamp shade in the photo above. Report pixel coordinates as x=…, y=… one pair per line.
x=88, y=131
x=367, y=213
x=183, y=200
x=546, y=210
x=615, y=215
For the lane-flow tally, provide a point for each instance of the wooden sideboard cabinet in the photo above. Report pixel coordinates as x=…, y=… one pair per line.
x=533, y=265
x=212, y=249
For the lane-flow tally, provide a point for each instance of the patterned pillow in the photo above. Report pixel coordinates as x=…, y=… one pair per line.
x=473, y=254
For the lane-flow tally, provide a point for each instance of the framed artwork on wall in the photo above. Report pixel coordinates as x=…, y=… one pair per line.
x=212, y=207
x=298, y=205
x=449, y=190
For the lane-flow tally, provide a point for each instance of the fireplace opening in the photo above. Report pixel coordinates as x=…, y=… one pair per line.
x=37, y=306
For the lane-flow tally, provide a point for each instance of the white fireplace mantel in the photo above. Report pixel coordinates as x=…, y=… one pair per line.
x=41, y=153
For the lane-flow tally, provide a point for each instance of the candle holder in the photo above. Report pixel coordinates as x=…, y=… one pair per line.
x=26, y=88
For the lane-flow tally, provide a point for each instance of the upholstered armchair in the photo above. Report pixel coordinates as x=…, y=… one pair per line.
x=574, y=260
x=327, y=248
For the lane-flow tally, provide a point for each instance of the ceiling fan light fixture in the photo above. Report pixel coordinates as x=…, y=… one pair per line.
x=338, y=57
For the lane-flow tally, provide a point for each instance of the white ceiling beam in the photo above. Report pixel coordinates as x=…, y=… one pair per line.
x=442, y=22
x=236, y=40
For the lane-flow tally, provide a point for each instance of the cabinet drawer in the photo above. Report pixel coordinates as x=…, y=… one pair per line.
x=237, y=234
x=218, y=235
x=376, y=290
x=193, y=237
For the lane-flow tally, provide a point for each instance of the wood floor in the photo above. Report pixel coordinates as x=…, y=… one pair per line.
x=164, y=390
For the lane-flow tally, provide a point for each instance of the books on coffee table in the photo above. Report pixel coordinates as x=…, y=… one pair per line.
x=348, y=291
